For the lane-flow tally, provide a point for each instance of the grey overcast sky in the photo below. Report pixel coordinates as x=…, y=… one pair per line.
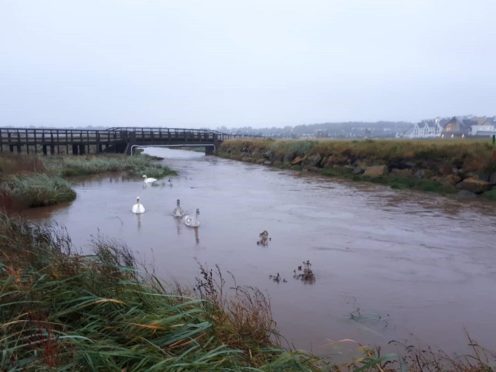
x=208, y=63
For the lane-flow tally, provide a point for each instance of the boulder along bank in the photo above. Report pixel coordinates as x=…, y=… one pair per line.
x=466, y=168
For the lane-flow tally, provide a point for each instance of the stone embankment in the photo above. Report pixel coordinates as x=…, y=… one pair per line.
x=466, y=168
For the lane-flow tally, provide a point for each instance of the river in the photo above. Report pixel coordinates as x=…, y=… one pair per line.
x=388, y=264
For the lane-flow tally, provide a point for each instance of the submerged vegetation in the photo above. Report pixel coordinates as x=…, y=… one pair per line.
x=31, y=181
x=61, y=310
x=464, y=166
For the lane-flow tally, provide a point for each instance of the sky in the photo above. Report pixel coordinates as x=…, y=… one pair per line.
x=259, y=63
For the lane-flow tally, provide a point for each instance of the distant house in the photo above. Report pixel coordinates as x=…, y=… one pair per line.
x=484, y=127
x=425, y=129
x=456, y=128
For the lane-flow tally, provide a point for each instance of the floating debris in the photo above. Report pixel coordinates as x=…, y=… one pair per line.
x=264, y=238
x=277, y=278
x=305, y=273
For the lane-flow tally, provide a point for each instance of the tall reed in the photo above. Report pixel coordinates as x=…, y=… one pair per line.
x=64, y=311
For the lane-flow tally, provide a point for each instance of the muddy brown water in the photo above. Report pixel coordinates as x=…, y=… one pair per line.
x=388, y=265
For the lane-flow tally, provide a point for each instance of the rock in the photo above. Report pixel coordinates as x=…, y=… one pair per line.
x=288, y=157
x=357, y=170
x=267, y=162
x=492, y=179
x=446, y=169
x=336, y=159
x=401, y=164
x=312, y=160
x=452, y=179
x=298, y=160
x=260, y=161
x=402, y=172
x=375, y=171
x=474, y=184
x=268, y=155
x=420, y=173
x=484, y=176
x=246, y=159
x=465, y=194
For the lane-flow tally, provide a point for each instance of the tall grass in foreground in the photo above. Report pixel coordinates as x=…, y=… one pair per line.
x=64, y=311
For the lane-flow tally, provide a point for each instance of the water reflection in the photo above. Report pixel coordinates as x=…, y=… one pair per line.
x=179, y=225
x=197, y=235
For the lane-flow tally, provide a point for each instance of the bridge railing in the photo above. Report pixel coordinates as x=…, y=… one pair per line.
x=52, y=140
x=159, y=132
x=80, y=141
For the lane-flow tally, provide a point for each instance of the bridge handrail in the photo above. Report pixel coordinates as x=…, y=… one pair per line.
x=113, y=132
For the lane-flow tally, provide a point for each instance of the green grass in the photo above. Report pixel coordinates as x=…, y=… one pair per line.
x=137, y=165
x=31, y=181
x=436, y=159
x=491, y=195
x=37, y=190
x=60, y=311
x=63, y=311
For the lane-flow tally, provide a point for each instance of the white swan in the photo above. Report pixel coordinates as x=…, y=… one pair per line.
x=192, y=221
x=178, y=211
x=149, y=180
x=138, y=208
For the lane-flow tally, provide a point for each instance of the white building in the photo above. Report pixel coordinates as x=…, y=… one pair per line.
x=483, y=130
x=425, y=129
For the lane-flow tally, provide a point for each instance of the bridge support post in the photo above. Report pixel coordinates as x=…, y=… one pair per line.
x=209, y=150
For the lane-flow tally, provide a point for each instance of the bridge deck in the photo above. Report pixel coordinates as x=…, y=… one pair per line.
x=85, y=141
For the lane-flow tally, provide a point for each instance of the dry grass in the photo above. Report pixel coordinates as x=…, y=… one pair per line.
x=63, y=311
x=435, y=159
x=30, y=181
x=480, y=155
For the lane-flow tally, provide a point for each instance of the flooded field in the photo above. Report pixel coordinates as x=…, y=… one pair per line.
x=388, y=265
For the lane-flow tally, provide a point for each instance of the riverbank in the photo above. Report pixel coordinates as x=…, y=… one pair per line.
x=467, y=168
x=32, y=181
x=218, y=187
x=61, y=310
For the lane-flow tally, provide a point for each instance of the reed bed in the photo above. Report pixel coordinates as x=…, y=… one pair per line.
x=60, y=310
x=37, y=190
x=134, y=166
x=64, y=311
x=30, y=181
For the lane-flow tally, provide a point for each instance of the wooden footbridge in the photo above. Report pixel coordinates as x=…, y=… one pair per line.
x=114, y=140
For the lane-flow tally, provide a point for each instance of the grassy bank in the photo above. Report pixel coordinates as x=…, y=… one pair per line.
x=134, y=166
x=62, y=311
x=435, y=166
x=30, y=181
